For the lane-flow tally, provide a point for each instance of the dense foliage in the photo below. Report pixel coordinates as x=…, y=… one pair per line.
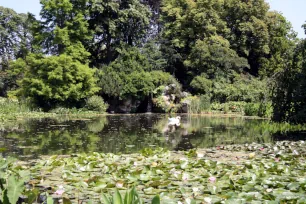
x=228, y=51
x=289, y=97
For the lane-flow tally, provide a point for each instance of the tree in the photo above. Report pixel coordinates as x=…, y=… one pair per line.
x=63, y=25
x=249, y=35
x=131, y=75
x=185, y=24
x=56, y=80
x=15, y=37
x=282, y=41
x=214, y=57
x=289, y=94
x=116, y=24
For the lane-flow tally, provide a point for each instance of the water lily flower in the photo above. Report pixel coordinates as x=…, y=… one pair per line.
x=183, y=159
x=119, y=184
x=261, y=149
x=185, y=177
x=212, y=179
x=252, y=155
x=269, y=190
x=154, y=164
x=179, y=202
x=82, y=168
x=188, y=201
x=295, y=152
x=200, y=155
x=135, y=163
x=207, y=200
x=276, y=159
x=195, y=189
x=60, y=191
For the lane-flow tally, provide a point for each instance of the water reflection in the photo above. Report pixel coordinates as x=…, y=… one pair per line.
x=126, y=134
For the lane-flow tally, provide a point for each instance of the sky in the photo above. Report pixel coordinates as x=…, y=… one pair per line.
x=293, y=10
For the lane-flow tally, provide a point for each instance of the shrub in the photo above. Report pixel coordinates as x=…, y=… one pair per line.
x=251, y=109
x=57, y=80
x=96, y=103
x=164, y=105
x=245, y=88
x=204, y=102
x=201, y=84
x=232, y=107
x=258, y=109
x=265, y=110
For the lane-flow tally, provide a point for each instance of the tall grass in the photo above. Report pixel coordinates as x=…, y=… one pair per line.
x=9, y=106
x=198, y=104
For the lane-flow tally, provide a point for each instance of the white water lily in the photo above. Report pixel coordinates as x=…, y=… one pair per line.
x=188, y=201
x=207, y=200
x=269, y=190
x=200, y=155
x=195, y=189
x=82, y=168
x=119, y=184
x=185, y=177
x=295, y=152
x=183, y=159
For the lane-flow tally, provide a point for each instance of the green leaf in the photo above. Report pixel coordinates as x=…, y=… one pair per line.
x=66, y=200
x=32, y=195
x=117, y=199
x=50, y=200
x=156, y=200
x=105, y=200
x=14, y=189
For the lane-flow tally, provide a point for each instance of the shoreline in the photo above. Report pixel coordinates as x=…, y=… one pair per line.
x=33, y=115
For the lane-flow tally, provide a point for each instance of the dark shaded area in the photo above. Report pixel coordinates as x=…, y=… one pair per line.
x=292, y=136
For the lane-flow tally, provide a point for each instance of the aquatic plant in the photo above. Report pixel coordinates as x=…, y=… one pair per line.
x=235, y=173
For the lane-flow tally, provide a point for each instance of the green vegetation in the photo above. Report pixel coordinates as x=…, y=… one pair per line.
x=289, y=99
x=131, y=52
x=96, y=103
x=253, y=172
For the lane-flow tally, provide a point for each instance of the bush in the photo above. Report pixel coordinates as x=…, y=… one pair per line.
x=201, y=85
x=258, y=109
x=96, y=103
x=251, y=109
x=232, y=107
x=245, y=88
x=164, y=105
x=56, y=80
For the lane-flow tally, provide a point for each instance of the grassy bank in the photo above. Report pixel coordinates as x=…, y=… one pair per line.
x=258, y=173
x=11, y=109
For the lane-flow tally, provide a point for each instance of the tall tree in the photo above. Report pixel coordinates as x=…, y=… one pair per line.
x=282, y=41
x=15, y=37
x=116, y=24
x=289, y=94
x=63, y=25
x=249, y=35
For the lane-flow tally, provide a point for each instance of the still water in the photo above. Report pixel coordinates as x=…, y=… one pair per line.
x=127, y=134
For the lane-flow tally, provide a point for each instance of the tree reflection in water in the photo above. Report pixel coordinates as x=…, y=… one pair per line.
x=127, y=134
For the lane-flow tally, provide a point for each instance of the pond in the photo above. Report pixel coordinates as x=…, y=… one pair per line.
x=31, y=138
